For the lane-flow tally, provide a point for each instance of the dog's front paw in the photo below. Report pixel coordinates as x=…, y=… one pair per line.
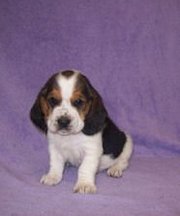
x=115, y=172
x=50, y=179
x=84, y=188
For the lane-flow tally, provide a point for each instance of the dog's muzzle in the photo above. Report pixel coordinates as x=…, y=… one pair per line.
x=64, y=123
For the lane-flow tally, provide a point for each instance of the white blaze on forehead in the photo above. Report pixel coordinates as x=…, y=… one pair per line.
x=67, y=85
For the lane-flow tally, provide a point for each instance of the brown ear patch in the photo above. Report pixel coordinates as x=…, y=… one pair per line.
x=83, y=113
x=44, y=106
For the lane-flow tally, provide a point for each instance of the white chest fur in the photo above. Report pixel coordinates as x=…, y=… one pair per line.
x=73, y=148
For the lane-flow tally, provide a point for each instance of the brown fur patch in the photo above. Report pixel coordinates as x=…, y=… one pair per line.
x=83, y=113
x=84, y=109
x=46, y=108
x=55, y=93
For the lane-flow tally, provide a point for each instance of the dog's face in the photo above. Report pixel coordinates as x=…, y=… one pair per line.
x=68, y=104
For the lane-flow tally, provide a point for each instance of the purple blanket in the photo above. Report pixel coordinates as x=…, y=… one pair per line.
x=130, y=50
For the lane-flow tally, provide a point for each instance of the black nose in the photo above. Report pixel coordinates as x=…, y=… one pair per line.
x=63, y=122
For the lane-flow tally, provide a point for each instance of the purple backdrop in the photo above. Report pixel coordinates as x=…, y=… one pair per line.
x=130, y=50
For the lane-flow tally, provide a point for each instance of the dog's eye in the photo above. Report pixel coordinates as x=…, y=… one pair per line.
x=78, y=103
x=53, y=101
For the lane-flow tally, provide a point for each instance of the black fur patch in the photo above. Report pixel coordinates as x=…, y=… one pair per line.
x=37, y=117
x=94, y=123
x=113, y=139
x=86, y=88
x=67, y=73
x=95, y=119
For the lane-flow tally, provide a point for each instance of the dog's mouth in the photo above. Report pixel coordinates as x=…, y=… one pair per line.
x=67, y=133
x=64, y=132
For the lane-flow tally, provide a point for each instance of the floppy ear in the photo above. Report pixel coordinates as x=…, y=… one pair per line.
x=38, y=110
x=37, y=115
x=96, y=117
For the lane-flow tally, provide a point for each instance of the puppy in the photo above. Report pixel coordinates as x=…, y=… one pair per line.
x=71, y=113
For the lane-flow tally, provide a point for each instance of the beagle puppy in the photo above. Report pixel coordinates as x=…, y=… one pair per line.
x=70, y=111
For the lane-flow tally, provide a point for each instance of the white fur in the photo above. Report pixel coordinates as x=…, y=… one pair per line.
x=86, y=153
x=79, y=150
x=67, y=85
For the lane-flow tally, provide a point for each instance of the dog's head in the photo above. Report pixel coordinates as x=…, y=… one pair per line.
x=68, y=104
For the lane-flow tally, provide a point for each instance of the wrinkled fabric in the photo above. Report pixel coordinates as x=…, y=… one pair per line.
x=130, y=51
